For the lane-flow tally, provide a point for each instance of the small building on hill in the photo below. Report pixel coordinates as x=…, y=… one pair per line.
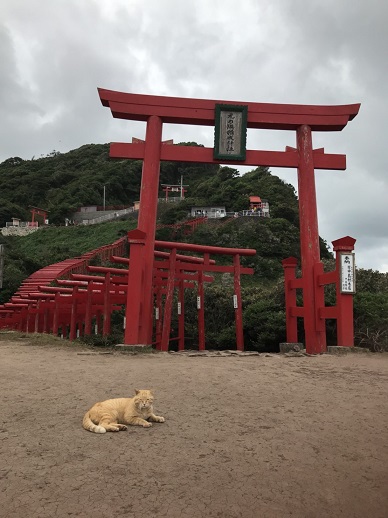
x=210, y=212
x=259, y=206
x=17, y=227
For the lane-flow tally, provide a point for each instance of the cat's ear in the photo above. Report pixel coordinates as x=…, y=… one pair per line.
x=137, y=391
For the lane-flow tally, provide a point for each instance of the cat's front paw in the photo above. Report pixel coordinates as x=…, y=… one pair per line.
x=147, y=424
x=159, y=419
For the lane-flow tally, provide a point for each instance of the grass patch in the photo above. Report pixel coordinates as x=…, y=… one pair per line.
x=39, y=339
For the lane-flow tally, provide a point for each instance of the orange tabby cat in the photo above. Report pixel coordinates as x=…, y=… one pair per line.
x=113, y=414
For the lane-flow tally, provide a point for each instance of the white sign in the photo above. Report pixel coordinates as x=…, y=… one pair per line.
x=235, y=304
x=156, y=313
x=198, y=302
x=179, y=308
x=347, y=273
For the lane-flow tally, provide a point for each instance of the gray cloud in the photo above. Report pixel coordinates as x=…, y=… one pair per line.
x=53, y=56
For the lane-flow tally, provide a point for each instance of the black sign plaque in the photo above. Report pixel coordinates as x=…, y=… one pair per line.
x=230, y=132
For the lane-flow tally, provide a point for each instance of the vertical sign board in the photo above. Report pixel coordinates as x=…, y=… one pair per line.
x=1, y=264
x=230, y=132
x=347, y=273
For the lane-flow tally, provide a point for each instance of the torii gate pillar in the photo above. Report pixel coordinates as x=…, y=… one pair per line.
x=315, y=339
x=147, y=222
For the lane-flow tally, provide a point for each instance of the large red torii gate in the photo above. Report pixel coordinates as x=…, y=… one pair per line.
x=302, y=119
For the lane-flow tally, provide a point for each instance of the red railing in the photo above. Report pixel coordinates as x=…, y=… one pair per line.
x=31, y=295
x=85, y=295
x=342, y=311
x=188, y=226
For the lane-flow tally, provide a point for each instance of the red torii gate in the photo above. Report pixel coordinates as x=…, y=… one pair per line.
x=174, y=188
x=36, y=211
x=302, y=119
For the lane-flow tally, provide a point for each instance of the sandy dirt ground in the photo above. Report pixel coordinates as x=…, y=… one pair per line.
x=252, y=437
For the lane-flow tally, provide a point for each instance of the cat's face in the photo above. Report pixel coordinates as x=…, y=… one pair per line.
x=144, y=399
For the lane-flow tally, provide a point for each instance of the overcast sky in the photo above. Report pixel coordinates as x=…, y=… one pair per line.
x=55, y=53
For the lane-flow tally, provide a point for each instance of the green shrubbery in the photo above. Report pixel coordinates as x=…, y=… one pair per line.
x=371, y=320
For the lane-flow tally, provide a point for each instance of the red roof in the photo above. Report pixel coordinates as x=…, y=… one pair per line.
x=254, y=199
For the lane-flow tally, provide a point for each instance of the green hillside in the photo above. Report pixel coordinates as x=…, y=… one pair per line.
x=61, y=183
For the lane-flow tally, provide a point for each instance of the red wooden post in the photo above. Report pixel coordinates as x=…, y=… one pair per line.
x=135, y=308
x=22, y=312
x=309, y=238
x=77, y=312
x=63, y=328
x=168, y=302
x=237, y=303
x=98, y=321
x=37, y=315
x=81, y=322
x=73, y=314
x=29, y=322
x=289, y=266
x=345, y=324
x=32, y=317
x=107, y=306
x=47, y=305
x=181, y=315
x=21, y=319
x=56, y=313
x=201, y=312
x=88, y=309
x=147, y=223
x=39, y=323
x=319, y=289
x=158, y=317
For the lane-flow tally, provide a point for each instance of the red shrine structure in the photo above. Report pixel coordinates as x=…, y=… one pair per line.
x=36, y=211
x=231, y=120
x=256, y=204
x=167, y=188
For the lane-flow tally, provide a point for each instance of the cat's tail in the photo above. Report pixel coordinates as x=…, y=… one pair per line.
x=88, y=424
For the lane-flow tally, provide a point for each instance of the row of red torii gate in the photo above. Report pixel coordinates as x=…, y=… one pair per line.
x=145, y=283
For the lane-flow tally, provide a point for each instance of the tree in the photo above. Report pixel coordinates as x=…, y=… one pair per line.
x=10, y=210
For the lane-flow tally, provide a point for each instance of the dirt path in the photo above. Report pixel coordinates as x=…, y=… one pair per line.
x=253, y=437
